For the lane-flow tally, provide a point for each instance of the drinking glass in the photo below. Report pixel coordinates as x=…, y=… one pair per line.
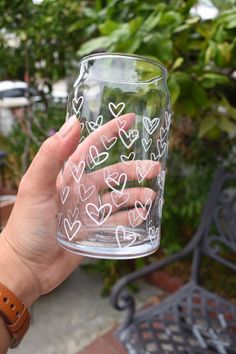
x=111, y=188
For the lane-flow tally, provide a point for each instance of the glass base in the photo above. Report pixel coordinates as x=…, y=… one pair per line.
x=103, y=244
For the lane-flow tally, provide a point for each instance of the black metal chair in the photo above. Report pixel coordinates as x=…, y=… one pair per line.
x=192, y=320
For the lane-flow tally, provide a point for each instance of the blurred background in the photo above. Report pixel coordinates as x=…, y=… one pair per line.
x=41, y=42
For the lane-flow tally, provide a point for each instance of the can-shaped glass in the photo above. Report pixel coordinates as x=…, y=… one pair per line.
x=111, y=188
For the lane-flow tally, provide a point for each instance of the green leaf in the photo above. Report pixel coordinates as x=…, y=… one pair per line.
x=226, y=125
x=108, y=27
x=174, y=89
x=135, y=24
x=170, y=18
x=210, y=80
x=181, y=28
x=206, y=125
x=193, y=20
x=230, y=109
x=94, y=44
x=210, y=53
x=177, y=63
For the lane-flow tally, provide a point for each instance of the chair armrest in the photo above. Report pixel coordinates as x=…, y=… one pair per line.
x=140, y=273
x=126, y=301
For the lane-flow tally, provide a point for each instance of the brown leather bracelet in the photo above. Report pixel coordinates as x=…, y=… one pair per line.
x=15, y=315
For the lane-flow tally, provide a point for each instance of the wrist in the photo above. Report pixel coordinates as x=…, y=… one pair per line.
x=15, y=275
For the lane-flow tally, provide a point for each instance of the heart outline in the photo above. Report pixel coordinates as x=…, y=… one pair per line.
x=77, y=101
x=147, y=207
x=161, y=147
x=119, y=195
x=106, y=143
x=141, y=171
x=67, y=225
x=86, y=194
x=128, y=136
x=124, y=235
x=77, y=170
x=64, y=192
x=72, y=216
x=126, y=159
x=146, y=144
x=151, y=124
x=98, y=210
x=111, y=105
x=167, y=119
x=93, y=126
x=117, y=182
x=135, y=220
x=96, y=159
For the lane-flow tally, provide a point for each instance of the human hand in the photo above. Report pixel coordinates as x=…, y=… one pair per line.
x=36, y=263
x=31, y=261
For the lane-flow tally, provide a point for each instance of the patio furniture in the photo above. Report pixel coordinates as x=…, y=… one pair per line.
x=193, y=320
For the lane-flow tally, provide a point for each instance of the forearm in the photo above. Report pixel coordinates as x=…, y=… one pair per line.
x=15, y=276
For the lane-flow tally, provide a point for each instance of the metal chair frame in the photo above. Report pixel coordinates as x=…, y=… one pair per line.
x=203, y=242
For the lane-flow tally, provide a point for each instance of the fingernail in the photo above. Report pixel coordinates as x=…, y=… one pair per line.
x=67, y=126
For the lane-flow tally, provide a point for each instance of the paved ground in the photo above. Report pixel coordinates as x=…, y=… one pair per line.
x=72, y=316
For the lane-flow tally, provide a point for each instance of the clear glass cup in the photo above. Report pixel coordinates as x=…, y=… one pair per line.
x=111, y=188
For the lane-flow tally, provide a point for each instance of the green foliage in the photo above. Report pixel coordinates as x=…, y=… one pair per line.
x=200, y=57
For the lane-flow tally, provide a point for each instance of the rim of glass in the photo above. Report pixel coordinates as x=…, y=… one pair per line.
x=156, y=63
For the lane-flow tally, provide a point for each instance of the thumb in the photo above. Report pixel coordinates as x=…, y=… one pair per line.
x=41, y=176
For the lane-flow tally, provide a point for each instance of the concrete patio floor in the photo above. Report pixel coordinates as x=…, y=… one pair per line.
x=74, y=315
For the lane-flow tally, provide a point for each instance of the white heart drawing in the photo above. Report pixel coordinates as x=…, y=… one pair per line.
x=73, y=215
x=115, y=183
x=71, y=229
x=167, y=119
x=97, y=214
x=142, y=169
x=163, y=133
x=77, y=171
x=64, y=192
x=161, y=179
x=146, y=144
x=128, y=159
x=122, y=236
x=117, y=109
x=128, y=138
x=161, y=147
x=92, y=126
x=120, y=124
x=145, y=208
x=148, y=193
x=81, y=127
x=154, y=157
x=108, y=143
x=81, y=139
x=119, y=198
x=134, y=219
x=160, y=206
x=85, y=193
x=59, y=218
x=107, y=174
x=154, y=236
x=151, y=124
x=96, y=157
x=77, y=104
